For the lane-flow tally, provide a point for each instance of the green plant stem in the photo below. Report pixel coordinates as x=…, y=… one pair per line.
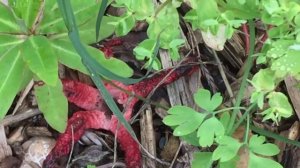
x=160, y=7
x=243, y=117
x=227, y=109
x=246, y=136
x=248, y=66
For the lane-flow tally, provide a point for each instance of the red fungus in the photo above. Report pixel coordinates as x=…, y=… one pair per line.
x=95, y=117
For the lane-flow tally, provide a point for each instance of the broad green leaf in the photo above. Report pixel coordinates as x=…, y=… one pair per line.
x=87, y=30
x=256, y=161
x=7, y=21
x=204, y=100
x=11, y=75
x=208, y=130
x=27, y=10
x=52, y=21
x=257, y=145
x=41, y=59
x=6, y=41
x=202, y=160
x=68, y=56
x=227, y=149
x=264, y=80
x=53, y=104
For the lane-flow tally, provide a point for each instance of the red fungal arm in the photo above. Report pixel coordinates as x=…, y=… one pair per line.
x=77, y=124
x=89, y=98
x=82, y=95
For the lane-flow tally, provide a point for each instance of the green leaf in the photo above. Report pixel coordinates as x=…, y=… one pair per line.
x=231, y=163
x=6, y=41
x=227, y=149
x=11, y=75
x=191, y=138
x=270, y=6
x=41, y=59
x=7, y=21
x=187, y=119
x=161, y=26
x=87, y=30
x=27, y=10
x=68, y=56
x=208, y=130
x=204, y=100
x=53, y=104
x=142, y=9
x=202, y=160
x=53, y=22
x=144, y=49
x=257, y=145
x=264, y=80
x=279, y=107
x=287, y=64
x=123, y=24
x=256, y=161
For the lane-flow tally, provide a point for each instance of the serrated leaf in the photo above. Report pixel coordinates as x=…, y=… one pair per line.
x=123, y=24
x=257, y=145
x=227, y=149
x=41, y=59
x=256, y=161
x=208, y=130
x=181, y=114
x=11, y=75
x=202, y=160
x=204, y=100
x=69, y=57
x=27, y=10
x=7, y=20
x=166, y=25
x=53, y=104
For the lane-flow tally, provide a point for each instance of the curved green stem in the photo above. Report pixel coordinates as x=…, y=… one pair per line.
x=230, y=108
x=242, y=118
x=246, y=136
x=248, y=66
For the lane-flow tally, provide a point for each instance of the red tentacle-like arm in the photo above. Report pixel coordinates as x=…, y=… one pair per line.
x=96, y=116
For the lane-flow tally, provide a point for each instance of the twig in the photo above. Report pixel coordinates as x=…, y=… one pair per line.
x=11, y=119
x=23, y=95
x=176, y=154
